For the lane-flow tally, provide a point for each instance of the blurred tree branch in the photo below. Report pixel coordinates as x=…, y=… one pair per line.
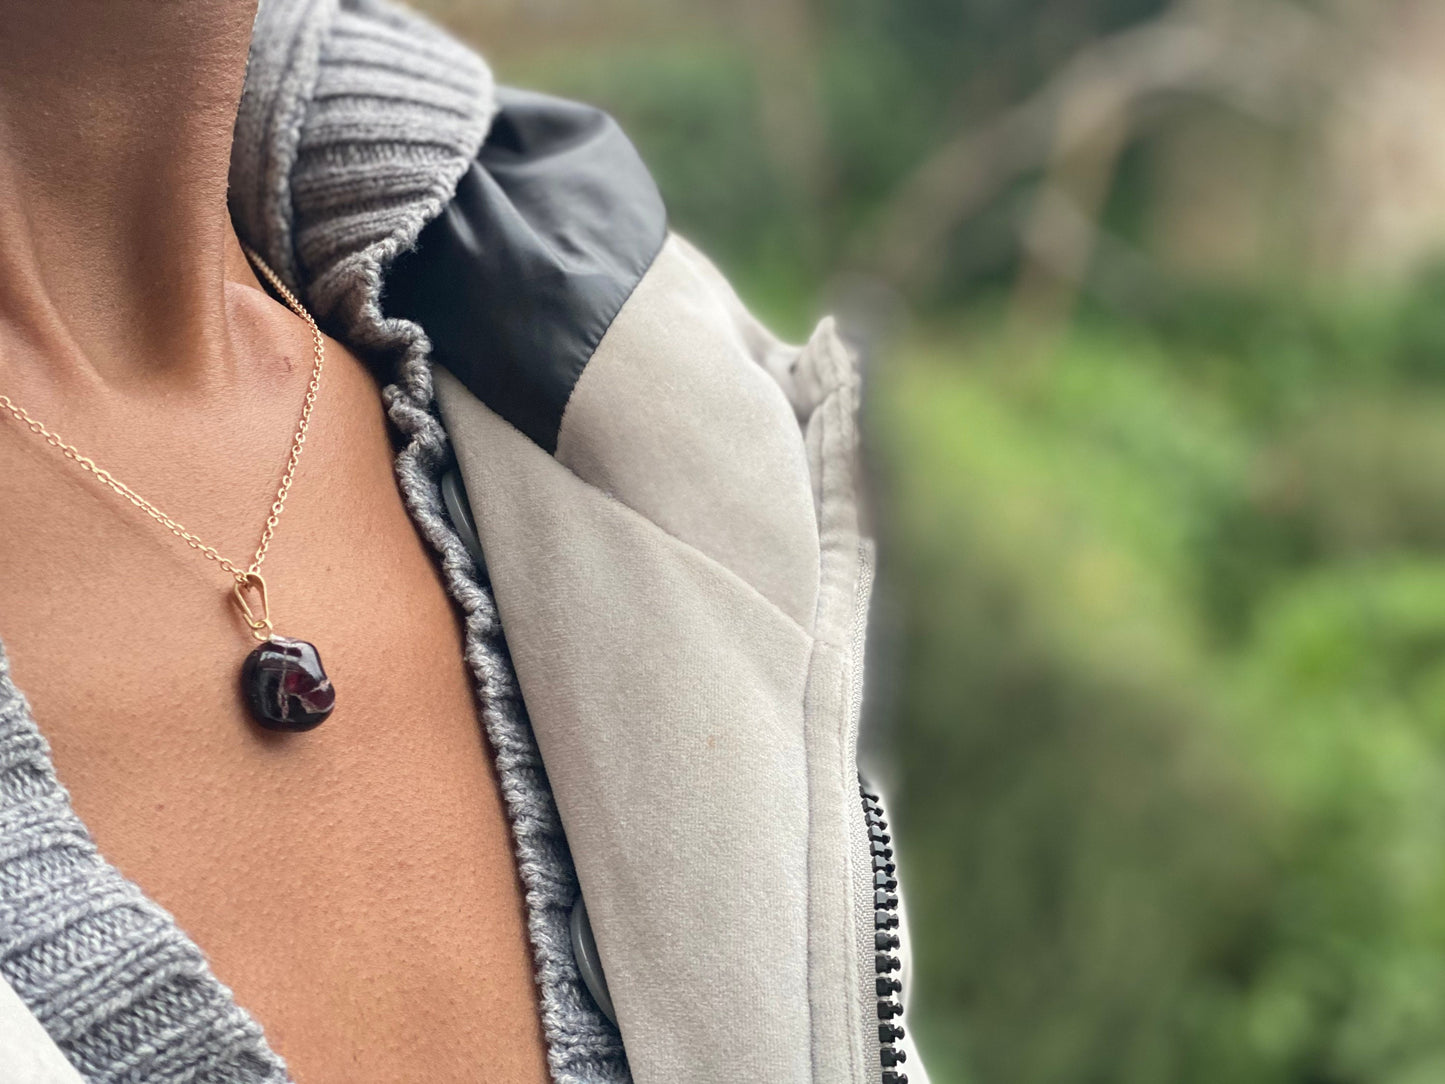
x=1246, y=55
x=784, y=39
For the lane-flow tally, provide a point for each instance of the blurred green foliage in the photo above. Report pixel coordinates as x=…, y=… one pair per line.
x=1170, y=716
x=1168, y=709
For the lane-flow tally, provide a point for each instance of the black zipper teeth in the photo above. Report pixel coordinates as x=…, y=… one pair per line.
x=885, y=940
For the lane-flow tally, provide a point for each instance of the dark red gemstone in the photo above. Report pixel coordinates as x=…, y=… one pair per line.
x=285, y=686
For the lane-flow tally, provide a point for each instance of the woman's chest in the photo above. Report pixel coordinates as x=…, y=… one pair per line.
x=353, y=885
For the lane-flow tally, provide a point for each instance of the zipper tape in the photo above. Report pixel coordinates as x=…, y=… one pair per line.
x=886, y=940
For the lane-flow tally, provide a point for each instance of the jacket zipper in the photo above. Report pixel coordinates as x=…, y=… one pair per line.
x=886, y=940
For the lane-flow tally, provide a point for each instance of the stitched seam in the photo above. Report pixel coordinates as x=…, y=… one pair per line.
x=708, y=560
x=834, y=401
x=613, y=499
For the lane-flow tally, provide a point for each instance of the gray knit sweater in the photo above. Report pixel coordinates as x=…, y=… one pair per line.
x=356, y=123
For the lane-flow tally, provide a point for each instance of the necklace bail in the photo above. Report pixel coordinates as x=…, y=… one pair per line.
x=261, y=627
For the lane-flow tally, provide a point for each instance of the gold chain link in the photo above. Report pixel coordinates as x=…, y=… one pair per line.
x=243, y=577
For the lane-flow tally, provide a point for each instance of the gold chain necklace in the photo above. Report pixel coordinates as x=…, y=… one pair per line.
x=282, y=679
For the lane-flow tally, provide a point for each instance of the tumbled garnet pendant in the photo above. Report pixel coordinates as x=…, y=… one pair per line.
x=285, y=686
x=282, y=680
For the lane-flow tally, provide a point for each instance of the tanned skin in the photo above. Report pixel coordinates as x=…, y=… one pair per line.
x=354, y=886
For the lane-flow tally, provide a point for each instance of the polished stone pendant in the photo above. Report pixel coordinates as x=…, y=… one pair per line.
x=285, y=686
x=282, y=680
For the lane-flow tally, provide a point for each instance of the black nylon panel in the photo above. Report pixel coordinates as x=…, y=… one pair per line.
x=518, y=279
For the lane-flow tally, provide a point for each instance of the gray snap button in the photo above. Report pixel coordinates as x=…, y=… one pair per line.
x=589, y=963
x=454, y=496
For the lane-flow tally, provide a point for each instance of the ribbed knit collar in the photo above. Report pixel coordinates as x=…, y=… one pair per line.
x=332, y=90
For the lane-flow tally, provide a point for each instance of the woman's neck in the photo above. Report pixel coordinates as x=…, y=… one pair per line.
x=116, y=119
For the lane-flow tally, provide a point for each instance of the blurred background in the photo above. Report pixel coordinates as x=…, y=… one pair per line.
x=1154, y=304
